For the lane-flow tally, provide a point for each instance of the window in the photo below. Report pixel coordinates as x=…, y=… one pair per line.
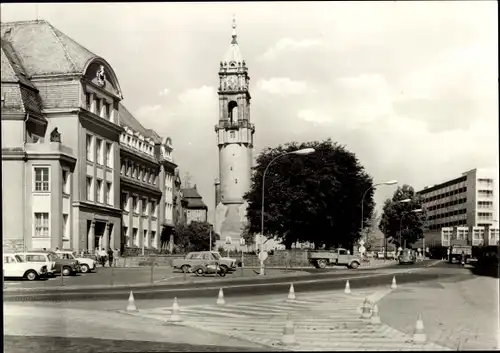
x=90, y=194
x=41, y=225
x=146, y=176
x=153, y=209
x=99, y=190
x=153, y=238
x=136, y=204
x=124, y=201
x=106, y=110
x=145, y=238
x=65, y=181
x=88, y=100
x=125, y=234
x=90, y=148
x=145, y=206
x=135, y=240
x=99, y=151
x=108, y=192
x=97, y=106
x=134, y=175
x=232, y=134
x=109, y=151
x=140, y=176
x=41, y=179
x=65, y=226
x=36, y=258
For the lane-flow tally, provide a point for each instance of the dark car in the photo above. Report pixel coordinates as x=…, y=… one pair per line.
x=68, y=267
x=407, y=257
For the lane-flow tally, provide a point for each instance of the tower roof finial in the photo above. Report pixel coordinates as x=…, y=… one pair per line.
x=234, y=30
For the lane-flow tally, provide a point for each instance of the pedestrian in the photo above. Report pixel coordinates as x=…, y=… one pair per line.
x=110, y=257
x=462, y=259
x=116, y=253
x=102, y=257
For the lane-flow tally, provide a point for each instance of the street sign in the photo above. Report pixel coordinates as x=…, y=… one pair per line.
x=242, y=241
x=263, y=255
x=426, y=249
x=228, y=240
x=362, y=249
x=400, y=248
x=361, y=242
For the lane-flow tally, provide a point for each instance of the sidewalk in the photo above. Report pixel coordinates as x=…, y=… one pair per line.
x=461, y=315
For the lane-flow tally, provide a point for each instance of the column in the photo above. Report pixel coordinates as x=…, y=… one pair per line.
x=112, y=240
x=105, y=237
x=91, y=238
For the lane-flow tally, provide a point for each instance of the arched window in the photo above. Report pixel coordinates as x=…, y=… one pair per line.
x=232, y=109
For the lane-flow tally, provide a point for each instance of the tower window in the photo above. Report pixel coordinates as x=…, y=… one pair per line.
x=232, y=108
x=232, y=134
x=236, y=181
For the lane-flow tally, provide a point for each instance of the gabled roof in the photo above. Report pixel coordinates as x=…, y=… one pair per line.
x=193, y=198
x=127, y=119
x=44, y=50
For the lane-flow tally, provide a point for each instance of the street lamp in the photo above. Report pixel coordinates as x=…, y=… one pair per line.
x=389, y=182
x=401, y=222
x=301, y=152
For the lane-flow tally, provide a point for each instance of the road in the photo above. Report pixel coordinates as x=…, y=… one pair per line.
x=325, y=318
x=236, y=287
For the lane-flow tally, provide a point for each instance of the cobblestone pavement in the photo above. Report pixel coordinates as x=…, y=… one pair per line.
x=323, y=322
x=460, y=315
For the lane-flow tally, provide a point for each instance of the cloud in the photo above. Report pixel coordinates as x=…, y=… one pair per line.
x=148, y=110
x=196, y=95
x=315, y=117
x=285, y=45
x=282, y=86
x=164, y=92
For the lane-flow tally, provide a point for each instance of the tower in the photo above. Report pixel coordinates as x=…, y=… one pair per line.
x=235, y=142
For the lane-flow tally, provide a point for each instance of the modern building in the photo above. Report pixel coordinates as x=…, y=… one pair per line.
x=463, y=209
x=195, y=208
x=235, y=142
x=63, y=140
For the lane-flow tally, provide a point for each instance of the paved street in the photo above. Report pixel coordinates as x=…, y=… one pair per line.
x=457, y=313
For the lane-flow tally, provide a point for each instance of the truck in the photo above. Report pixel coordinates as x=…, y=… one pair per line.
x=456, y=252
x=338, y=257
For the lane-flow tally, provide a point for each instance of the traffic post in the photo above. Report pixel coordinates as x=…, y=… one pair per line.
x=242, y=244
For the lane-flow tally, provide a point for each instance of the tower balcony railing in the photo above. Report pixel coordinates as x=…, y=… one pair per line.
x=228, y=125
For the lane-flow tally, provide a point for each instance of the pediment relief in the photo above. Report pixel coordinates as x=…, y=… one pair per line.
x=100, y=75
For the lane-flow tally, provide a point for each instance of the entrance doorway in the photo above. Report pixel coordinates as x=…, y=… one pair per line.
x=99, y=234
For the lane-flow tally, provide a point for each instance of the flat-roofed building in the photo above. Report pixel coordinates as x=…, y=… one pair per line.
x=462, y=209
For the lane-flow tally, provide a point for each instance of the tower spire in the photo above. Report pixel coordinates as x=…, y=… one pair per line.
x=234, y=41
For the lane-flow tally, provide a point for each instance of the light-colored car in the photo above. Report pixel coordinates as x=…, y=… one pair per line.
x=407, y=256
x=40, y=258
x=200, y=259
x=86, y=264
x=15, y=267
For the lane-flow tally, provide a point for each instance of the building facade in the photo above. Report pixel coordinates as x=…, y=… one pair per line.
x=235, y=142
x=464, y=209
x=195, y=209
x=65, y=134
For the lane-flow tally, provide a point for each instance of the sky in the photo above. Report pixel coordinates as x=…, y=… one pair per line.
x=410, y=87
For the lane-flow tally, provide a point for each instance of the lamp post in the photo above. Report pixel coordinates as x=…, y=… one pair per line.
x=304, y=151
x=389, y=182
x=401, y=222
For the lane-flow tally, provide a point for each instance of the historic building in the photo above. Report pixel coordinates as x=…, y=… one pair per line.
x=195, y=209
x=235, y=141
x=146, y=176
x=69, y=148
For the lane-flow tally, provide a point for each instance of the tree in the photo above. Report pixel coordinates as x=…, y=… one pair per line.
x=249, y=238
x=399, y=218
x=368, y=233
x=195, y=236
x=315, y=198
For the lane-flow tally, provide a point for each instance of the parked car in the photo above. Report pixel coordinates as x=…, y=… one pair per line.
x=38, y=258
x=15, y=267
x=201, y=259
x=67, y=267
x=86, y=264
x=407, y=256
